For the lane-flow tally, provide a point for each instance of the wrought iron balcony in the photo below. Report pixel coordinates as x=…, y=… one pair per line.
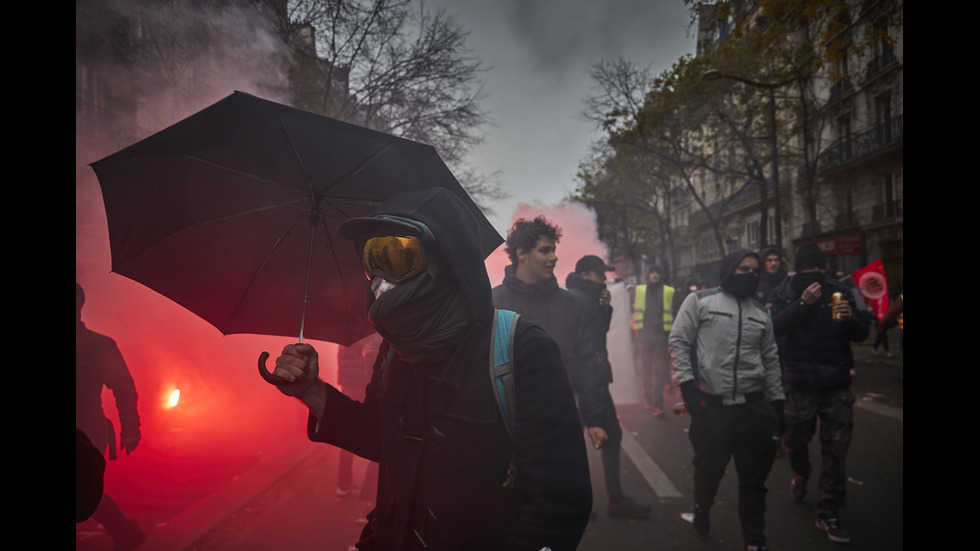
x=861, y=144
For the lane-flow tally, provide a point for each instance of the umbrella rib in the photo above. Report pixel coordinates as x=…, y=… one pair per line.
x=350, y=174
x=261, y=267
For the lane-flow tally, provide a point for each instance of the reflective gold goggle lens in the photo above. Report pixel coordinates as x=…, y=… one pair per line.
x=394, y=258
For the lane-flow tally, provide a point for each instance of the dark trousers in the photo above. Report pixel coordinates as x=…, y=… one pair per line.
x=655, y=369
x=610, y=450
x=835, y=411
x=749, y=433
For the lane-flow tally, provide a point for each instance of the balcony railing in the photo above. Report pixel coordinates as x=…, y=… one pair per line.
x=879, y=64
x=861, y=144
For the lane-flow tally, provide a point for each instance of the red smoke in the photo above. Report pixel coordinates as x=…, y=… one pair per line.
x=578, y=238
x=227, y=418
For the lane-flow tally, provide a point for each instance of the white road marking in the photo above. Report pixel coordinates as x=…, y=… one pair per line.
x=658, y=481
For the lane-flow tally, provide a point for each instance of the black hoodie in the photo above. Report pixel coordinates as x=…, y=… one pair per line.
x=442, y=447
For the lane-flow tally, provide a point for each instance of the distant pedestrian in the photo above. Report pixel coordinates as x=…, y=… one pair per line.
x=654, y=305
x=773, y=273
x=815, y=345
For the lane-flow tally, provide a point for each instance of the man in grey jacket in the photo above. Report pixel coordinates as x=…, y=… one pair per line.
x=725, y=361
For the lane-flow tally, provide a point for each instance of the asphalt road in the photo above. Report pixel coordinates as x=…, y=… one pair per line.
x=286, y=500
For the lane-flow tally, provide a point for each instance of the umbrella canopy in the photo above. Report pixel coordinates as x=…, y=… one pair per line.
x=229, y=211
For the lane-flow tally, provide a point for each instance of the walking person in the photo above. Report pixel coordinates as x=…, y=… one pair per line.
x=816, y=322
x=726, y=363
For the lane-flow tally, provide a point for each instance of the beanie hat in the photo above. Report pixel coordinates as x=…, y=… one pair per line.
x=809, y=256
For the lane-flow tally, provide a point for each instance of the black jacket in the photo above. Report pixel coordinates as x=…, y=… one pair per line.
x=440, y=441
x=596, y=318
x=815, y=349
x=555, y=310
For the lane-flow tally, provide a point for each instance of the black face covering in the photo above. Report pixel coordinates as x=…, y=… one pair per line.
x=741, y=285
x=803, y=280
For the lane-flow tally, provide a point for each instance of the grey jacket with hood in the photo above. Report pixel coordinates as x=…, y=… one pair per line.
x=435, y=430
x=732, y=340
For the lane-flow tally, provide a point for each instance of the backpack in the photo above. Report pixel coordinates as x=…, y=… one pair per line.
x=502, y=376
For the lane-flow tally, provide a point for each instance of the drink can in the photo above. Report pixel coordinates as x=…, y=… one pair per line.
x=836, y=299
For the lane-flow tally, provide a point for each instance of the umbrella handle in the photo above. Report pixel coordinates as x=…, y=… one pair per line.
x=269, y=377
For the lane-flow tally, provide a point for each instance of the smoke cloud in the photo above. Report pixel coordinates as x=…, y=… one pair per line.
x=560, y=34
x=579, y=237
x=227, y=418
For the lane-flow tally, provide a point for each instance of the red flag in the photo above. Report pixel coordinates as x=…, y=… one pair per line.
x=871, y=282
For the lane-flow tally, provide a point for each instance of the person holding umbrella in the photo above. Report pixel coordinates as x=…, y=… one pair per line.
x=429, y=416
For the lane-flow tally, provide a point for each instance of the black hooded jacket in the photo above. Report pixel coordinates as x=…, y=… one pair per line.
x=441, y=444
x=596, y=318
x=816, y=350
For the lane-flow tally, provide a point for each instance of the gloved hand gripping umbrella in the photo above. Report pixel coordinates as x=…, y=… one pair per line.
x=233, y=214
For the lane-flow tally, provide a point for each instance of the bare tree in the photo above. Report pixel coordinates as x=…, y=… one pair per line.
x=397, y=67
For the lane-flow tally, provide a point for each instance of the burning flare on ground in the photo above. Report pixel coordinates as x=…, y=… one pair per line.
x=173, y=398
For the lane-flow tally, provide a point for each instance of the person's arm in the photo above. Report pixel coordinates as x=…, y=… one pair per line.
x=857, y=322
x=682, y=343
x=299, y=365
x=358, y=433
x=896, y=308
x=770, y=361
x=681, y=340
x=787, y=314
x=584, y=376
x=119, y=380
x=549, y=451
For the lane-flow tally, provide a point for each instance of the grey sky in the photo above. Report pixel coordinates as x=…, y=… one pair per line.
x=540, y=52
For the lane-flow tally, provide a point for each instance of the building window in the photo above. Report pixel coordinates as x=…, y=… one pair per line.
x=752, y=235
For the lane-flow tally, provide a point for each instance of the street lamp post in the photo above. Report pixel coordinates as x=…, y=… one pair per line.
x=712, y=75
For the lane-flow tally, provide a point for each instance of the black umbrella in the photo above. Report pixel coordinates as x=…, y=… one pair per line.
x=233, y=214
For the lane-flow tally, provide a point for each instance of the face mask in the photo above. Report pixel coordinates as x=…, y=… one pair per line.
x=741, y=285
x=380, y=286
x=803, y=280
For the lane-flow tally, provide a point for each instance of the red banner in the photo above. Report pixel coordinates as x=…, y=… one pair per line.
x=871, y=282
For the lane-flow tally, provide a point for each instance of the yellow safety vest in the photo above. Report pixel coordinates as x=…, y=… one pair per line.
x=640, y=305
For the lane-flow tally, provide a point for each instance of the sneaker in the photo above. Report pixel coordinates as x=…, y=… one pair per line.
x=756, y=548
x=627, y=508
x=831, y=525
x=343, y=492
x=701, y=523
x=797, y=489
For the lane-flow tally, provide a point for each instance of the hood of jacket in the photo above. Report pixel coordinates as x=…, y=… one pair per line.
x=733, y=259
x=457, y=241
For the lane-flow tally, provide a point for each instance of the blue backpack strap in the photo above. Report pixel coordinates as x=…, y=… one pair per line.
x=502, y=375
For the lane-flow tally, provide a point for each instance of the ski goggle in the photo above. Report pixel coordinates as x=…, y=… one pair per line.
x=393, y=257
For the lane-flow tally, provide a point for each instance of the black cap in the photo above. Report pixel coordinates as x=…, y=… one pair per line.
x=809, y=256
x=354, y=229
x=592, y=263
